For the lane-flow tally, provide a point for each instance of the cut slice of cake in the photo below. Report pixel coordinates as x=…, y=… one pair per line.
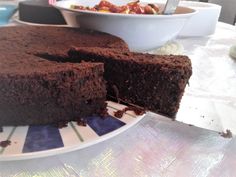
x=150, y=81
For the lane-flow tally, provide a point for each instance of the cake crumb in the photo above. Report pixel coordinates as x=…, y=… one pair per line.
x=103, y=113
x=137, y=111
x=81, y=122
x=61, y=124
x=227, y=134
x=119, y=113
x=5, y=143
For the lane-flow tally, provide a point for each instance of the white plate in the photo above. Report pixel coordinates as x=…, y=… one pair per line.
x=17, y=20
x=29, y=142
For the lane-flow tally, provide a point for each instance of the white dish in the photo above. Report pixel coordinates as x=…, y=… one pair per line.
x=140, y=32
x=29, y=142
x=17, y=20
x=204, y=22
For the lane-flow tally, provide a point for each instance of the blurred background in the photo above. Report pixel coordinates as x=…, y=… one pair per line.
x=228, y=11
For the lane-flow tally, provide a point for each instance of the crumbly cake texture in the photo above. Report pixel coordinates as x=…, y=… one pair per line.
x=38, y=91
x=155, y=82
x=55, y=93
x=31, y=40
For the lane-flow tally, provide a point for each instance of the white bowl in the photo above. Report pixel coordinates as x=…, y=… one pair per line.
x=204, y=22
x=140, y=32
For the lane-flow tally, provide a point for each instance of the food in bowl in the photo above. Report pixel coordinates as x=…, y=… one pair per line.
x=130, y=8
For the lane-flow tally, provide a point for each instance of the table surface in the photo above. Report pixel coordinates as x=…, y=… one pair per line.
x=157, y=146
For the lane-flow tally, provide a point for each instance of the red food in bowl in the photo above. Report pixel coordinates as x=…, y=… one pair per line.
x=130, y=8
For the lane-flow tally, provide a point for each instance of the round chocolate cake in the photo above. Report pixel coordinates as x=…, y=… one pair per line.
x=53, y=74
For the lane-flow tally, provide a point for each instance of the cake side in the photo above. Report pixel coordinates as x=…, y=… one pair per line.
x=154, y=82
x=65, y=93
x=38, y=91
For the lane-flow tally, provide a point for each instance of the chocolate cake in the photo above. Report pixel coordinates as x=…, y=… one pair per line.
x=34, y=90
x=39, y=11
x=150, y=81
x=41, y=82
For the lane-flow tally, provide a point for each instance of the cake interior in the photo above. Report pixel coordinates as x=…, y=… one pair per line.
x=62, y=93
x=153, y=82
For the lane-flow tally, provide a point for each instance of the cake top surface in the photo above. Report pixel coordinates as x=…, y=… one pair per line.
x=20, y=46
x=22, y=65
x=37, y=39
x=172, y=61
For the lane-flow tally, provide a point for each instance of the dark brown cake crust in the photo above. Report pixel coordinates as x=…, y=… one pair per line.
x=153, y=82
x=37, y=91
